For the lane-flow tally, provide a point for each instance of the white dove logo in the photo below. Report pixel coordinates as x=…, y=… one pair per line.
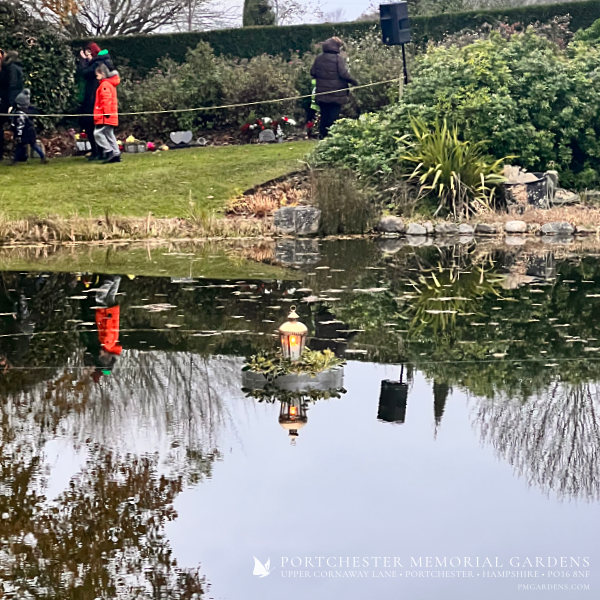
x=261, y=570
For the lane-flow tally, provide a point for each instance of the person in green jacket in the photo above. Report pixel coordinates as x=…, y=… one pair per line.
x=312, y=112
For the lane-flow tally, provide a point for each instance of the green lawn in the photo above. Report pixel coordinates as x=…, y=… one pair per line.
x=161, y=183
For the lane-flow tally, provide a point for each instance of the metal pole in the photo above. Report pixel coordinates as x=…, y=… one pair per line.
x=404, y=65
x=400, y=87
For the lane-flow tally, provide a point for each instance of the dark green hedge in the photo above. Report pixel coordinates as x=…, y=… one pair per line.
x=141, y=52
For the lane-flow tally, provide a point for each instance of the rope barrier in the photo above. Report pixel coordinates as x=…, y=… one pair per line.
x=217, y=107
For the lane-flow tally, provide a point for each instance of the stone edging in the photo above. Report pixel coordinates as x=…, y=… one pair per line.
x=395, y=226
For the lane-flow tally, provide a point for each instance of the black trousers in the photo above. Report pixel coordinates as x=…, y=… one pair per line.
x=329, y=115
x=87, y=124
x=3, y=121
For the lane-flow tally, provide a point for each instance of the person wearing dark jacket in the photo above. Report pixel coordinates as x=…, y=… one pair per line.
x=23, y=128
x=332, y=75
x=11, y=84
x=90, y=58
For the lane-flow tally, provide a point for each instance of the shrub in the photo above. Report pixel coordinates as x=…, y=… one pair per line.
x=369, y=61
x=206, y=80
x=48, y=65
x=521, y=96
x=456, y=173
x=261, y=78
x=590, y=35
x=345, y=207
x=368, y=146
x=192, y=84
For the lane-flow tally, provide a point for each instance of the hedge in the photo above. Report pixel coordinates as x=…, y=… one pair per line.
x=142, y=51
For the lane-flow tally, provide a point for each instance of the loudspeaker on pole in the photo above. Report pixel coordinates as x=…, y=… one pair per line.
x=395, y=26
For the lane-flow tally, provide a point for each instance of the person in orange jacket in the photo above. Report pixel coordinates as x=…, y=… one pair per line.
x=106, y=113
x=102, y=346
x=108, y=315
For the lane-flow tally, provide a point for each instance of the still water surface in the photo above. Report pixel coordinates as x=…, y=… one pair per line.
x=147, y=471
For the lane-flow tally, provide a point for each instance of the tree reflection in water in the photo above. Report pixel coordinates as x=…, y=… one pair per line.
x=169, y=400
x=104, y=535
x=552, y=439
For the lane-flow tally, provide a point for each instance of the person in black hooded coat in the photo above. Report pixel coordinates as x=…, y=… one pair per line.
x=11, y=85
x=90, y=58
x=332, y=75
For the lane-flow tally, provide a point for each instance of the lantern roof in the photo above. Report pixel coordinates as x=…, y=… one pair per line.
x=292, y=326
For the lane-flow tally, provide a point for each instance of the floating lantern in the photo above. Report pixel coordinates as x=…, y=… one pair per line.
x=293, y=336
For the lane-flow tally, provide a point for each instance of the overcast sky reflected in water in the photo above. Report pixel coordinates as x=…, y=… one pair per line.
x=355, y=486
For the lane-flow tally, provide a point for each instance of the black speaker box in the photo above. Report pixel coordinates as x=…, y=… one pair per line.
x=395, y=27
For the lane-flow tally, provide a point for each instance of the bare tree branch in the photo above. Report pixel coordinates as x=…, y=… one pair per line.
x=127, y=17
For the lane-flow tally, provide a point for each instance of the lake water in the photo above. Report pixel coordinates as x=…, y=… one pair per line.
x=460, y=460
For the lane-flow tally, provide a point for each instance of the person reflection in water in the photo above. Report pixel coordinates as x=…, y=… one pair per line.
x=103, y=352
x=17, y=331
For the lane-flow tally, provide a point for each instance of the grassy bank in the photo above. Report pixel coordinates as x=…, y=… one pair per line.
x=162, y=184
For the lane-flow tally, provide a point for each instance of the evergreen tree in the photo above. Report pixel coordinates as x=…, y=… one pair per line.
x=258, y=12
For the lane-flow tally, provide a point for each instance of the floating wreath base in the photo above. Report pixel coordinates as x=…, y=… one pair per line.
x=316, y=370
x=330, y=379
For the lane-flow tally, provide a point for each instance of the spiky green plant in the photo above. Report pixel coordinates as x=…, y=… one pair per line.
x=457, y=173
x=442, y=293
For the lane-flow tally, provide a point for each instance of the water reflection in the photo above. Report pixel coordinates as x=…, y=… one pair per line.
x=552, y=440
x=294, y=406
x=142, y=377
x=393, y=398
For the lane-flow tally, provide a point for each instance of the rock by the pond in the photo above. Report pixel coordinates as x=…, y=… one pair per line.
x=446, y=229
x=516, y=174
x=466, y=239
x=267, y=136
x=487, y=228
x=562, y=196
x=298, y=220
x=515, y=227
x=558, y=228
x=415, y=229
x=583, y=230
x=391, y=224
x=429, y=227
x=297, y=251
x=466, y=229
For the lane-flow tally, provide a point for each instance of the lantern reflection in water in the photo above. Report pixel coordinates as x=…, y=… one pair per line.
x=292, y=415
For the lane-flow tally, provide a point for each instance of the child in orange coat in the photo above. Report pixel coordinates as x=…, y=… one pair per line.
x=106, y=113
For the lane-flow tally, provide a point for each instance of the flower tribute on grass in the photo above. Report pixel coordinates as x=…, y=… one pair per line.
x=251, y=130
